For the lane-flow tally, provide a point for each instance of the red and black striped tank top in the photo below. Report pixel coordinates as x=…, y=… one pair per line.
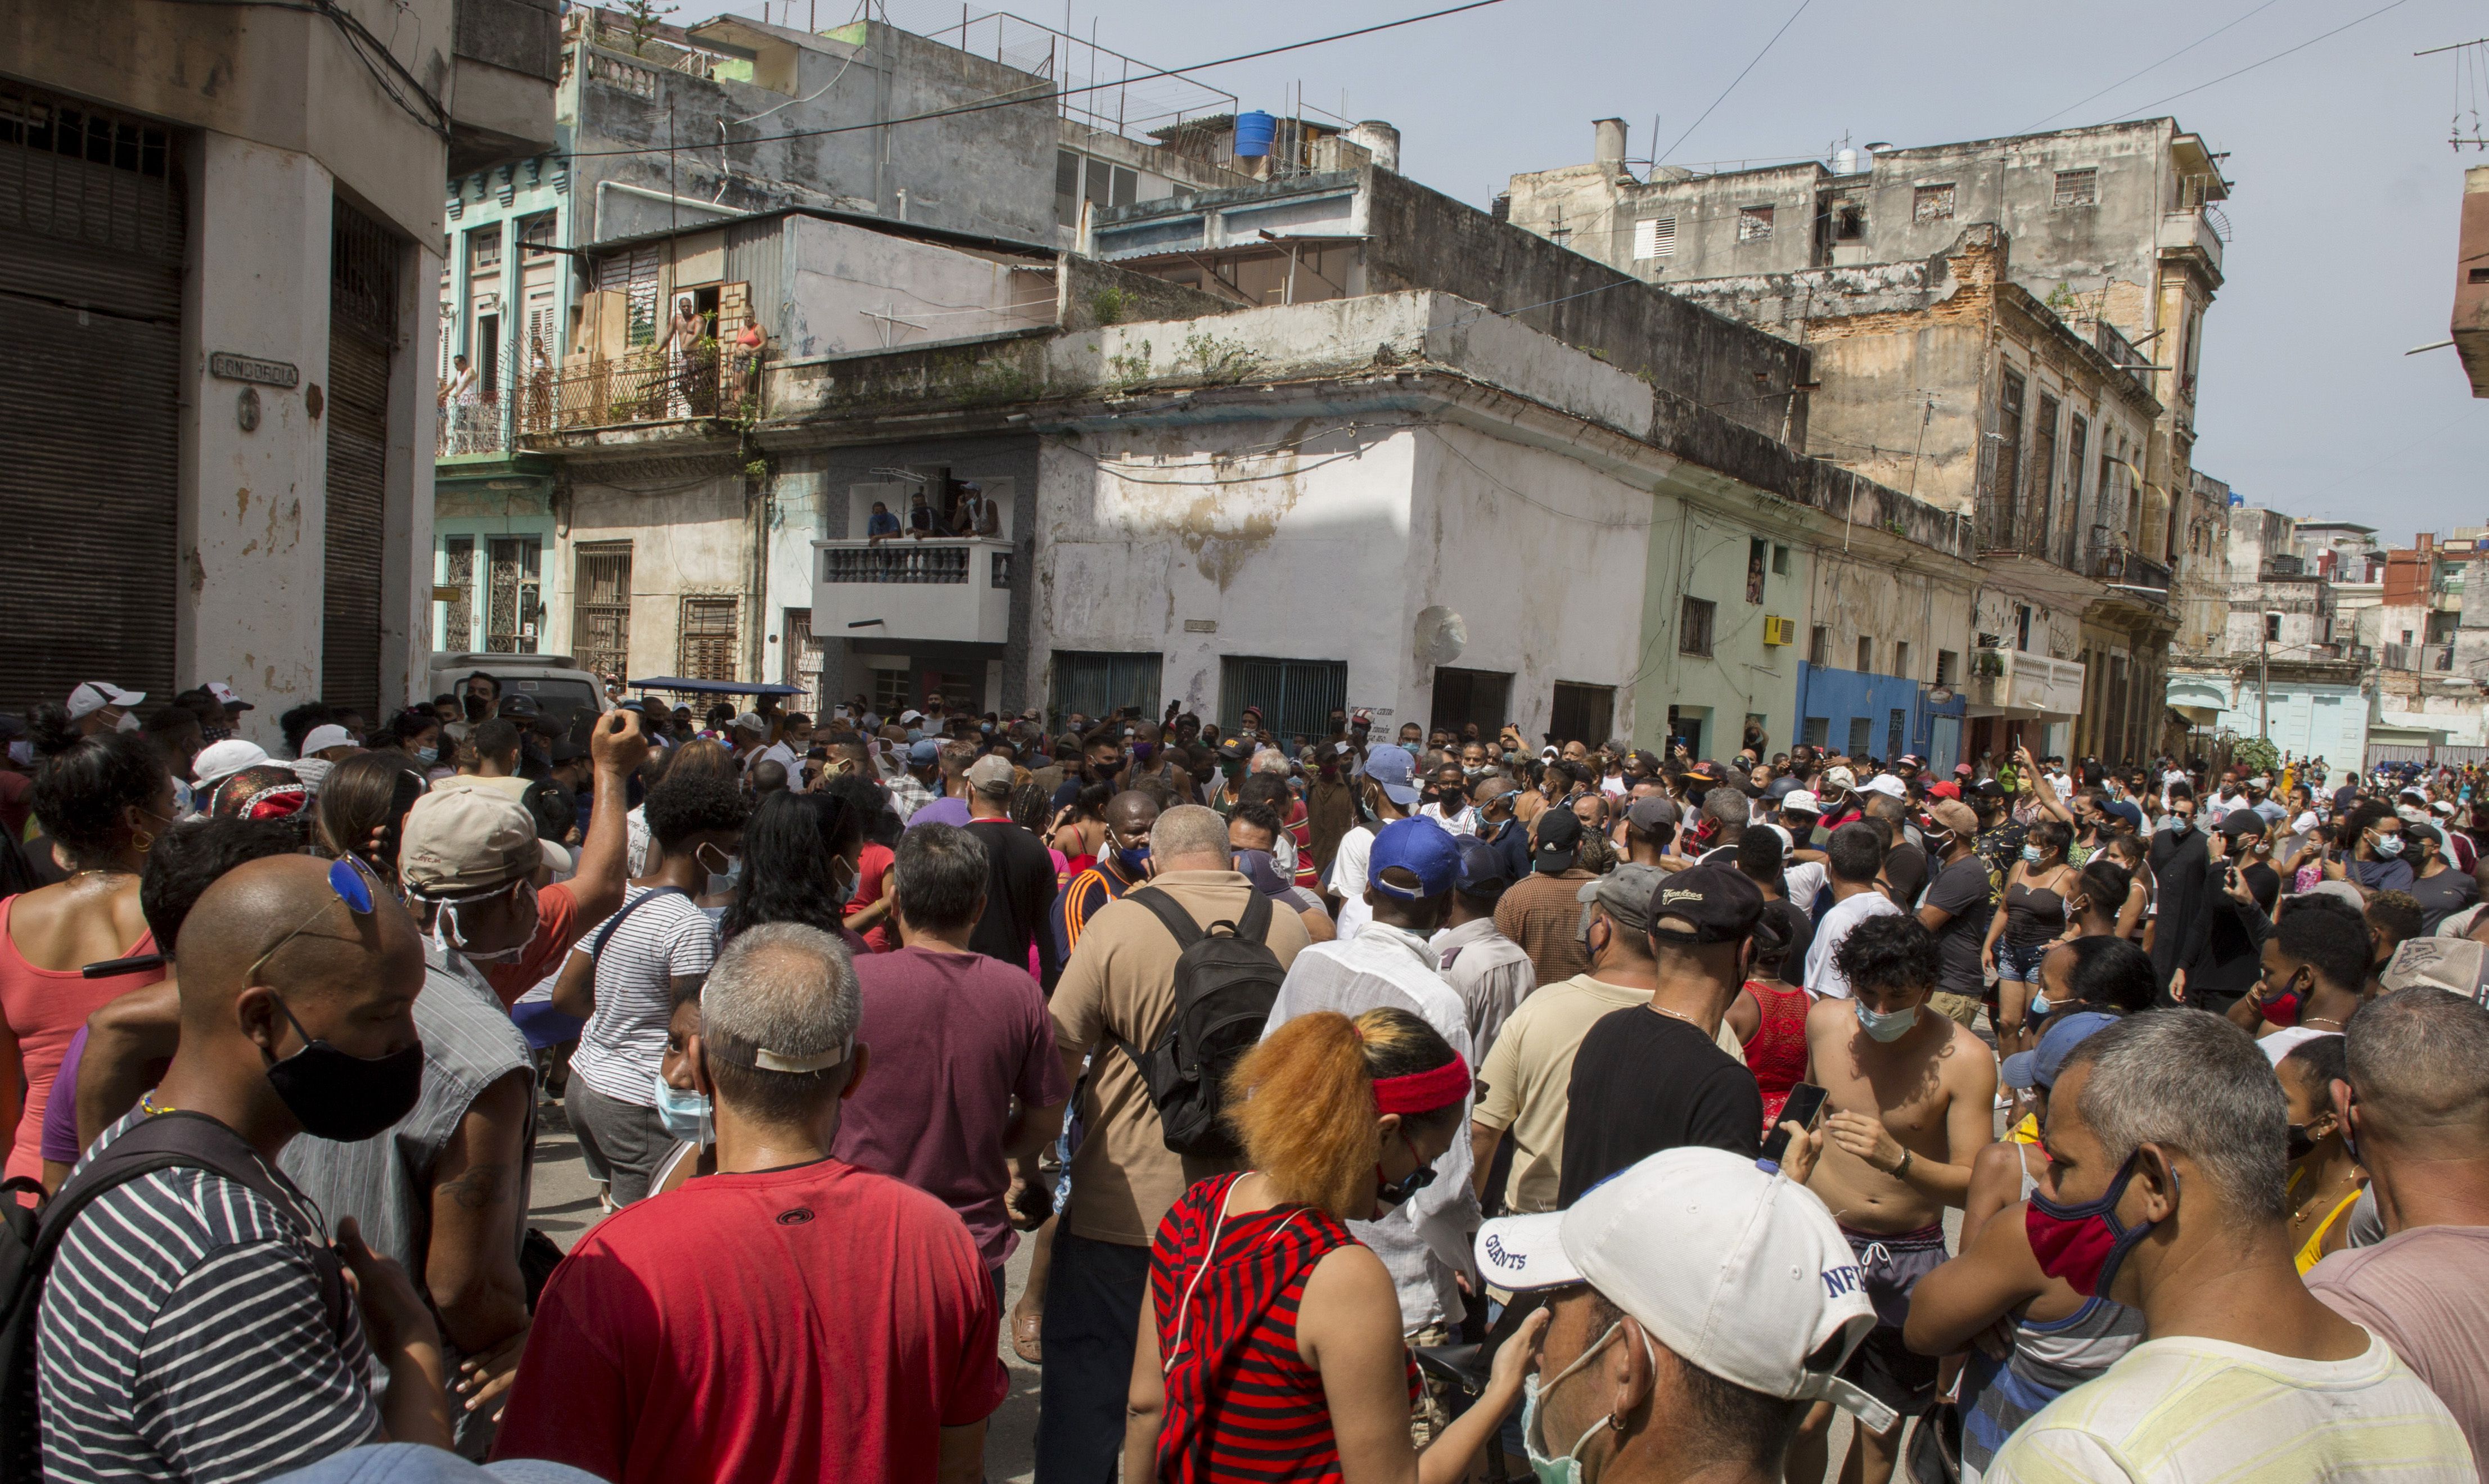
x=1241, y=1405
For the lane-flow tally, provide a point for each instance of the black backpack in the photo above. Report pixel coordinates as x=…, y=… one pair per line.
x=29, y=1240
x=1224, y=983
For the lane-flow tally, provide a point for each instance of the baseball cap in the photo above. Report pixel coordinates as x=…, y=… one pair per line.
x=923, y=751
x=1910, y=760
x=220, y=760
x=1944, y=790
x=910, y=717
x=321, y=739
x=1953, y=815
x=991, y=776
x=518, y=706
x=2456, y=965
x=1839, y=780
x=94, y=695
x=750, y=721
x=1801, y=801
x=1652, y=816
x=1483, y=871
x=567, y=751
x=1743, y=1274
x=1886, y=784
x=1626, y=893
x=2039, y=1067
x=2340, y=891
x=465, y=842
x=1397, y=773
x=1962, y=770
x=1560, y=838
x=225, y=696
x=267, y=790
x=1418, y=846
x=1720, y=902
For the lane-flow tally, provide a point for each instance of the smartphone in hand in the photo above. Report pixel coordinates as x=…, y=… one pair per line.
x=1804, y=1108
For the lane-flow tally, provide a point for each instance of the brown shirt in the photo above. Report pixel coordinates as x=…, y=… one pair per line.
x=1542, y=916
x=2426, y=1292
x=1118, y=993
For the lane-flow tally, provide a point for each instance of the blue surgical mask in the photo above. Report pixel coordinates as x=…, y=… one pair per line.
x=684, y=1113
x=722, y=882
x=2031, y=853
x=427, y=755
x=2389, y=845
x=1134, y=859
x=1562, y=1467
x=1886, y=1025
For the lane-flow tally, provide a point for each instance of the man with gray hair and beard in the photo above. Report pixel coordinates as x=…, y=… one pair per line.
x=2166, y=1145
x=791, y=1316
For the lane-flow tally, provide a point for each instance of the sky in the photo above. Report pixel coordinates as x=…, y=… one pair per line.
x=2346, y=196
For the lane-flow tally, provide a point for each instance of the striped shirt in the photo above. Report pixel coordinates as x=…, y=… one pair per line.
x=1079, y=900
x=1241, y=1405
x=624, y=1041
x=184, y=1337
x=2205, y=1411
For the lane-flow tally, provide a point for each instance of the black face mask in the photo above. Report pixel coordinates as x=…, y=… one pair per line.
x=1393, y=1192
x=2301, y=1145
x=340, y=1097
x=475, y=707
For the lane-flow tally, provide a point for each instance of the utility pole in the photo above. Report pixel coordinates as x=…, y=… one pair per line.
x=2264, y=694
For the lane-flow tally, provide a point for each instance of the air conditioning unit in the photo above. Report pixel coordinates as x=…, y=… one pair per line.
x=1780, y=631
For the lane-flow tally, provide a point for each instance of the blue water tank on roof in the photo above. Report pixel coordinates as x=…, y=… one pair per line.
x=1253, y=134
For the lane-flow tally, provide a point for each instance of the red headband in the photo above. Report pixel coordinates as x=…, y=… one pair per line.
x=1423, y=1092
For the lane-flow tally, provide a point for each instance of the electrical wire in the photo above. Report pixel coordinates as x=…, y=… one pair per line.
x=2153, y=67
x=360, y=41
x=1658, y=159
x=2252, y=66
x=1008, y=102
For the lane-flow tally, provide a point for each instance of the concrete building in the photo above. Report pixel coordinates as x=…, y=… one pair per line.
x=663, y=130
x=2281, y=668
x=222, y=248
x=1944, y=378
x=2116, y=231
x=1394, y=498
x=2471, y=330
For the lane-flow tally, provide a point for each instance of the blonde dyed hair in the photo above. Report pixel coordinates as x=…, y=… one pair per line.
x=1302, y=1101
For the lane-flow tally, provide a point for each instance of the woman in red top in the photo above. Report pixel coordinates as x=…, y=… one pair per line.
x=102, y=801
x=1769, y=1015
x=1272, y=1348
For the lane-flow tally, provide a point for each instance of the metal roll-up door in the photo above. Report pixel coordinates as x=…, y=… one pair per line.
x=362, y=333
x=92, y=225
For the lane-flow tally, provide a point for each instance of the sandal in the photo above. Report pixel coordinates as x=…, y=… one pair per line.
x=1025, y=1329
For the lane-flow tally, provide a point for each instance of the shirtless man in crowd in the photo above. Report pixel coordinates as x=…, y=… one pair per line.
x=1911, y=1102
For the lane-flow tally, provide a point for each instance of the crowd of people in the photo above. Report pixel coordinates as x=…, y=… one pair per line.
x=1436, y=1105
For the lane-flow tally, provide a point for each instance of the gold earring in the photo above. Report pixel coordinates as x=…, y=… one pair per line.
x=142, y=842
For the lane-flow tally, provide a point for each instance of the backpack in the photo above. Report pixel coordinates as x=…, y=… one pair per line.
x=30, y=1238
x=1224, y=983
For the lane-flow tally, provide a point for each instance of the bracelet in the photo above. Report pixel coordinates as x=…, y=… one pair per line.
x=1902, y=1168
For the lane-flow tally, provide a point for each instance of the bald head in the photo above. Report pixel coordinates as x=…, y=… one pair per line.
x=1131, y=813
x=253, y=908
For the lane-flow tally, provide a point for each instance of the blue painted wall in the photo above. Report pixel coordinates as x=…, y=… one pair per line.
x=1839, y=697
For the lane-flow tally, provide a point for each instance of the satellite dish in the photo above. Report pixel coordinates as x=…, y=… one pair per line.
x=1442, y=634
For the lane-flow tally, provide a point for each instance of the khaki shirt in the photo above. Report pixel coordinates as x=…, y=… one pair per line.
x=1118, y=993
x=1526, y=1077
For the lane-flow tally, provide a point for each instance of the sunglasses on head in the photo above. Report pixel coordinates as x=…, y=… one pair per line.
x=352, y=881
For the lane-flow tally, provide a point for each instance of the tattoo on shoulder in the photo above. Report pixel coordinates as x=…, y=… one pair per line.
x=477, y=1186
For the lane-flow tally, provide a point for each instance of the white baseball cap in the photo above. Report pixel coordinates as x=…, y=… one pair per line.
x=1744, y=1275
x=1801, y=801
x=94, y=695
x=220, y=760
x=910, y=718
x=1885, y=784
x=321, y=739
x=225, y=696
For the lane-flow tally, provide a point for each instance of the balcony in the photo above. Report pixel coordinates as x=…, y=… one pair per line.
x=476, y=425
x=2201, y=231
x=950, y=590
x=506, y=59
x=2132, y=571
x=642, y=388
x=2015, y=682
x=2025, y=527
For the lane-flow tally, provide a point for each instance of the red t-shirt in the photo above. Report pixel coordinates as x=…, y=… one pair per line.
x=954, y=1038
x=557, y=930
x=873, y=875
x=816, y=1323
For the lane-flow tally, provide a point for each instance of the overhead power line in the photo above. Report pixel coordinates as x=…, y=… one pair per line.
x=1027, y=98
x=1661, y=159
x=2034, y=128
x=2276, y=57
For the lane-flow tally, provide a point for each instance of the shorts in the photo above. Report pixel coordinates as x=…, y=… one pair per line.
x=1889, y=1267
x=1961, y=1010
x=2021, y=961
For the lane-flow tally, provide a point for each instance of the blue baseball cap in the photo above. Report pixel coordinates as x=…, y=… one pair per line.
x=2039, y=1067
x=923, y=753
x=1483, y=871
x=1396, y=771
x=1418, y=846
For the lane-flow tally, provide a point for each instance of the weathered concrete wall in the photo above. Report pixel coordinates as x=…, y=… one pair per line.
x=856, y=289
x=1598, y=210
x=691, y=536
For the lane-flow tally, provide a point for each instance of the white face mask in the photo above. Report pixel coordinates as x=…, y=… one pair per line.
x=22, y=754
x=1564, y=1468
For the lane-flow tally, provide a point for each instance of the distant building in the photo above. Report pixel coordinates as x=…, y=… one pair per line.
x=2279, y=666
x=2472, y=281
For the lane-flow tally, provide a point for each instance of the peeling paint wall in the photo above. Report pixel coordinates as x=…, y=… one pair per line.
x=690, y=536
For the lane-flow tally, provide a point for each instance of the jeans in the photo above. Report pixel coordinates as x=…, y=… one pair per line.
x=2021, y=962
x=1093, y=1314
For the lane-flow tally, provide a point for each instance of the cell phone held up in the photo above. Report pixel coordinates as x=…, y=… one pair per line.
x=1804, y=1108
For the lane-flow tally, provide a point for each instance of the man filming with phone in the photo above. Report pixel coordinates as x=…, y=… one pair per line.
x=1912, y=1097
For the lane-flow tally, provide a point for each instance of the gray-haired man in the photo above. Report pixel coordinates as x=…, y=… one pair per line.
x=792, y=1314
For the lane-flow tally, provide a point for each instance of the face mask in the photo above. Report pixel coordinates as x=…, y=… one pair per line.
x=427, y=755
x=2041, y=1005
x=2389, y=845
x=2180, y=825
x=1561, y=1468
x=1134, y=859
x=684, y=1112
x=721, y=882
x=22, y=754
x=343, y=1098
x=2300, y=1145
x=475, y=707
x=2031, y=853
x=2084, y=1245
x=129, y=722
x=453, y=936
x=842, y=887
x=1890, y=1025
x=1141, y=751
x=1391, y=1192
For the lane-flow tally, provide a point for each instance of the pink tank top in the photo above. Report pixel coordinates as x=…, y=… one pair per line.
x=43, y=1008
